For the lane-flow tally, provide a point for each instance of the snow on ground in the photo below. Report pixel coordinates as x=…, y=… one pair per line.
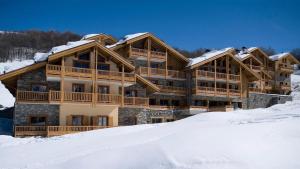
x=6, y=99
x=244, y=139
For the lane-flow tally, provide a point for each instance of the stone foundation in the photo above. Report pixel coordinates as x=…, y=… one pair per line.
x=258, y=100
x=22, y=113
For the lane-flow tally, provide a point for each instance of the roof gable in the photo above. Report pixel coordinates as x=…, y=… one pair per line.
x=128, y=39
x=280, y=56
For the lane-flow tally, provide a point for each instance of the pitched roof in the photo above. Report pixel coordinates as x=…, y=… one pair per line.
x=98, y=35
x=206, y=56
x=283, y=55
x=138, y=36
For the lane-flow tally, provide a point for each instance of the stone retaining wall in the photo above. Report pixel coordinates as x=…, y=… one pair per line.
x=258, y=100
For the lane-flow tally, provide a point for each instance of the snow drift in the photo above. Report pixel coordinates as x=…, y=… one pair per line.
x=261, y=138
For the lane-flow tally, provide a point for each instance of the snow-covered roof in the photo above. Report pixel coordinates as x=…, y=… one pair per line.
x=252, y=48
x=126, y=38
x=208, y=55
x=278, y=56
x=39, y=57
x=88, y=36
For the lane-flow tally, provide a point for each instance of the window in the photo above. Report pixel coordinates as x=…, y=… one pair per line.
x=102, y=66
x=152, y=101
x=101, y=59
x=156, y=120
x=170, y=83
x=81, y=64
x=175, y=102
x=85, y=56
x=78, y=87
x=38, y=120
x=164, y=102
x=77, y=120
x=169, y=120
x=102, y=121
x=103, y=89
x=154, y=65
x=38, y=88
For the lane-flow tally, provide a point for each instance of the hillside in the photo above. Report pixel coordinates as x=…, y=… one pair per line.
x=249, y=139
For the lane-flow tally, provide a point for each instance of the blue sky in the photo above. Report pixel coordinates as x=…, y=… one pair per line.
x=184, y=24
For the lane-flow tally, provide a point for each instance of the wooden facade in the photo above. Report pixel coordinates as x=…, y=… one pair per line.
x=90, y=82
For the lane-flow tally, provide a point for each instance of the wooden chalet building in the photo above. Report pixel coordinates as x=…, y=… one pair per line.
x=100, y=82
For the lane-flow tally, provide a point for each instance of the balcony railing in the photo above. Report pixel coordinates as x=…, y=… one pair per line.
x=80, y=73
x=172, y=89
x=219, y=76
x=48, y=131
x=254, y=90
x=143, y=53
x=254, y=67
x=285, y=67
x=210, y=91
x=161, y=72
x=79, y=97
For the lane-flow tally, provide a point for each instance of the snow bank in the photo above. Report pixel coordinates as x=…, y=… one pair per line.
x=245, y=139
x=208, y=55
x=6, y=99
x=126, y=38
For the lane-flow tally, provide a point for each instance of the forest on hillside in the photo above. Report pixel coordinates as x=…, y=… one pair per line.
x=23, y=44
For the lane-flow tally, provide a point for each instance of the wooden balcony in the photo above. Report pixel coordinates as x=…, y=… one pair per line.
x=136, y=101
x=48, y=131
x=83, y=73
x=79, y=97
x=254, y=90
x=172, y=89
x=219, y=76
x=222, y=92
x=285, y=67
x=163, y=73
x=255, y=68
x=137, y=53
x=285, y=87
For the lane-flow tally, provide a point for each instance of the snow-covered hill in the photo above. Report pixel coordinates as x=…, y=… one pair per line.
x=6, y=99
x=245, y=139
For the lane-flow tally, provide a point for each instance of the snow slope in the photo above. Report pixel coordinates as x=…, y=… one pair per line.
x=245, y=139
x=6, y=99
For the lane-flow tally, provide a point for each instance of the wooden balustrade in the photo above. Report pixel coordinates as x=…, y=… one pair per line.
x=254, y=90
x=210, y=91
x=109, y=98
x=172, y=89
x=161, y=72
x=219, y=76
x=136, y=101
x=83, y=73
x=31, y=96
x=79, y=97
x=136, y=52
x=285, y=67
x=21, y=131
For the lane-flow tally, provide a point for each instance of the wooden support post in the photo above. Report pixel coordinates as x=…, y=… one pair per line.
x=62, y=79
x=166, y=66
x=227, y=75
x=196, y=80
x=95, y=88
x=149, y=56
x=241, y=82
x=122, y=102
x=215, y=65
x=250, y=63
x=130, y=50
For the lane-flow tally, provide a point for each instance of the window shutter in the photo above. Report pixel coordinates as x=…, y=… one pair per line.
x=69, y=120
x=85, y=120
x=95, y=120
x=110, y=121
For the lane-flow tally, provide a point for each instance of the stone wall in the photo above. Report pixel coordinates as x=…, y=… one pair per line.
x=22, y=113
x=131, y=116
x=257, y=100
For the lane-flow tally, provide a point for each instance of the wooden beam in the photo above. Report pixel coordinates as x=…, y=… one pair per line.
x=227, y=75
x=62, y=79
x=149, y=56
x=166, y=66
x=122, y=102
x=215, y=65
